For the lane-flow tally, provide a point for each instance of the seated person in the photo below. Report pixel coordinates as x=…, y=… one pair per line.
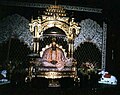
x=54, y=57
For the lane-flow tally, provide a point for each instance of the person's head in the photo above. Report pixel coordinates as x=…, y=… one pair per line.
x=53, y=43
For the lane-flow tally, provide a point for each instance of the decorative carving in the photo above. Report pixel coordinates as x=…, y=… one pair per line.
x=55, y=16
x=104, y=45
x=90, y=31
x=16, y=26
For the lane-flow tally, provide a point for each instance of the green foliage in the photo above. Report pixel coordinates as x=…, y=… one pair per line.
x=87, y=68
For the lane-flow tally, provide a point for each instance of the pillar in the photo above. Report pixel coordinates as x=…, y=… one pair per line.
x=69, y=49
x=38, y=47
x=34, y=49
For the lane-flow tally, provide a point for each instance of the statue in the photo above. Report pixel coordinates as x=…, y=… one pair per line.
x=54, y=57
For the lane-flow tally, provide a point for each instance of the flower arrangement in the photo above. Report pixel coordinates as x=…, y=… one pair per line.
x=87, y=68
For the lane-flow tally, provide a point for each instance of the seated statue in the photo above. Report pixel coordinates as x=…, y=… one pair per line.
x=54, y=57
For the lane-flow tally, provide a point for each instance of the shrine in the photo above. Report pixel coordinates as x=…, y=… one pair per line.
x=56, y=38
x=59, y=47
x=56, y=43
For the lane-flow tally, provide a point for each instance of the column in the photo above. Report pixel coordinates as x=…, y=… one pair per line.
x=72, y=49
x=38, y=47
x=104, y=46
x=34, y=49
x=69, y=48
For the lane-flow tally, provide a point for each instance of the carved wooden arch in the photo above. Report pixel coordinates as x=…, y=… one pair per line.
x=90, y=43
x=61, y=25
x=91, y=31
x=16, y=26
x=88, y=53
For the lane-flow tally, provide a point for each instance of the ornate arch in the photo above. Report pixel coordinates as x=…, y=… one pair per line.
x=16, y=26
x=55, y=16
x=61, y=25
x=90, y=32
x=88, y=51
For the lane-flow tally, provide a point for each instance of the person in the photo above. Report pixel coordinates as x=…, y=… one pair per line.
x=54, y=57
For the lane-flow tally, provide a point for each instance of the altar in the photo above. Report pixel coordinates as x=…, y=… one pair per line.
x=53, y=63
x=54, y=35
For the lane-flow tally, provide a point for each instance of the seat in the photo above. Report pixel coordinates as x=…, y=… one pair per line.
x=53, y=63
